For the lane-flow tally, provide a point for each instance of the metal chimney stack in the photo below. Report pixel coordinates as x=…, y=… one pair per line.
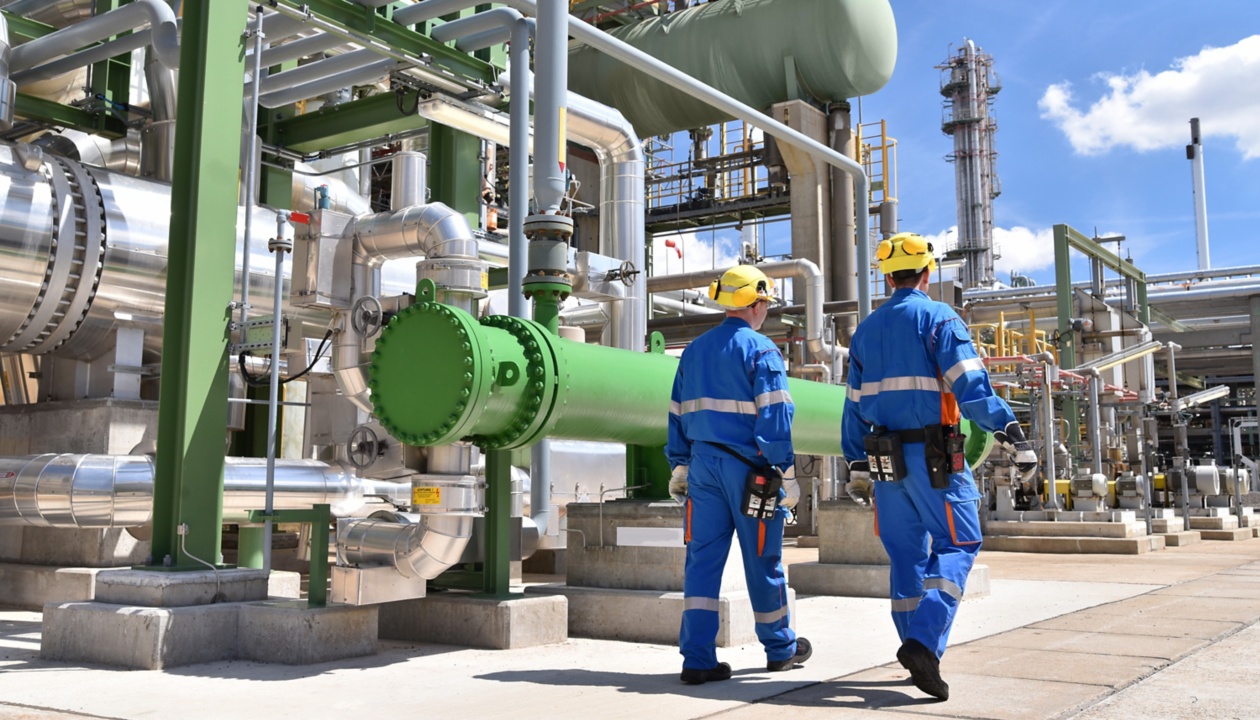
x=1194, y=153
x=969, y=86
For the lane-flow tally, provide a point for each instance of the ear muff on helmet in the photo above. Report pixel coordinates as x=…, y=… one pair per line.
x=905, y=251
x=736, y=290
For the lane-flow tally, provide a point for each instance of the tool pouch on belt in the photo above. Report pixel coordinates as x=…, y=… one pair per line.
x=887, y=460
x=761, y=487
x=944, y=450
x=761, y=492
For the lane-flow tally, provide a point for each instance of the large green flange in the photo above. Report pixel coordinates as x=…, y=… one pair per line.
x=453, y=384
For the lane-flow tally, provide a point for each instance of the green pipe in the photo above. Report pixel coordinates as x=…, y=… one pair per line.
x=438, y=375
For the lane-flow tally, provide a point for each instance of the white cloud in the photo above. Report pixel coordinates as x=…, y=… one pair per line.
x=1152, y=112
x=1021, y=249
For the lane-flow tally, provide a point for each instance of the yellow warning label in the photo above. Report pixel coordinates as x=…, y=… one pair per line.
x=426, y=496
x=485, y=280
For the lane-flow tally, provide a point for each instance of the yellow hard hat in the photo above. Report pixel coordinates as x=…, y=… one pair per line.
x=740, y=287
x=905, y=251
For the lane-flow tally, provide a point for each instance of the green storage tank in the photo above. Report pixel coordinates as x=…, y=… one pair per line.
x=837, y=49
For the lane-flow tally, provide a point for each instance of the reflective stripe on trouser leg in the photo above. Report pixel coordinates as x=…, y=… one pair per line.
x=710, y=528
x=761, y=549
x=906, y=540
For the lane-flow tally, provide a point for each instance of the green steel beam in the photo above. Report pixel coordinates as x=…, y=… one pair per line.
x=24, y=28
x=455, y=171
x=371, y=117
x=362, y=19
x=192, y=409
x=1063, y=294
x=47, y=111
x=1167, y=320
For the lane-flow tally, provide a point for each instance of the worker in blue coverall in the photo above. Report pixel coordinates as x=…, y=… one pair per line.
x=913, y=371
x=730, y=408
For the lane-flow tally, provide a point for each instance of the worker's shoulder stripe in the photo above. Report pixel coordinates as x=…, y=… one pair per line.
x=772, y=397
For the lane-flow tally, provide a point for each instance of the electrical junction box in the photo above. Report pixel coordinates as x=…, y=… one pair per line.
x=322, y=261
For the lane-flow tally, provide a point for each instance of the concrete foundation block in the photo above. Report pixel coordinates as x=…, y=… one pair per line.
x=284, y=584
x=1081, y=545
x=1227, y=522
x=807, y=541
x=30, y=587
x=835, y=580
x=150, y=588
x=1181, y=539
x=1039, y=528
x=650, y=616
x=1168, y=525
x=1228, y=534
x=139, y=637
x=291, y=633
x=471, y=621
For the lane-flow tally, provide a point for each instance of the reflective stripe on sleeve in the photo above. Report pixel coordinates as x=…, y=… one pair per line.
x=962, y=366
x=772, y=397
x=675, y=408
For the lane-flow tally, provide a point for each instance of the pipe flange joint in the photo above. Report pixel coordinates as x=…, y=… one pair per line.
x=458, y=380
x=556, y=227
x=534, y=417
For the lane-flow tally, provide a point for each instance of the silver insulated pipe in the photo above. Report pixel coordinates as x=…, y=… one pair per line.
x=1194, y=153
x=93, y=491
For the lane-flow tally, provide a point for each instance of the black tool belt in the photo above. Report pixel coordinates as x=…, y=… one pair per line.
x=943, y=451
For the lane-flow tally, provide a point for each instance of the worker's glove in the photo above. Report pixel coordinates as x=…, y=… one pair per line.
x=678, y=484
x=791, y=488
x=859, y=488
x=1012, y=442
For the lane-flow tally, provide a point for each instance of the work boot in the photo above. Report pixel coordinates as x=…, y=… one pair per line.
x=803, y=651
x=924, y=667
x=695, y=676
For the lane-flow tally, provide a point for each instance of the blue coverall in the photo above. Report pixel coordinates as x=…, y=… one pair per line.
x=730, y=388
x=912, y=364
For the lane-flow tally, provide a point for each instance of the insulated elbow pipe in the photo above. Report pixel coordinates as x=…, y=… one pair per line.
x=439, y=375
x=154, y=13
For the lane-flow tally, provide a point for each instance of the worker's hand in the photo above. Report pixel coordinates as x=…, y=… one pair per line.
x=859, y=488
x=791, y=489
x=1012, y=441
x=678, y=484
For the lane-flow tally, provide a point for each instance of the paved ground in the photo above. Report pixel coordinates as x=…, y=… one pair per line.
x=1170, y=634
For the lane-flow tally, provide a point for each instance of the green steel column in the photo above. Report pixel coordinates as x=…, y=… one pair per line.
x=249, y=547
x=497, y=576
x=455, y=171
x=1063, y=293
x=192, y=412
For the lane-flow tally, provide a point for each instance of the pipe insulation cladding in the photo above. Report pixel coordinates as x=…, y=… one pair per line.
x=758, y=51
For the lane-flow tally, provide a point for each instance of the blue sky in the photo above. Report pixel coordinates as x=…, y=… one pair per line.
x=1093, y=117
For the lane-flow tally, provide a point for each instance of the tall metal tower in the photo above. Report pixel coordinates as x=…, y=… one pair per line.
x=969, y=85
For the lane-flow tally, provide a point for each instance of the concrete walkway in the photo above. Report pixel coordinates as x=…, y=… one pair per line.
x=1170, y=634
